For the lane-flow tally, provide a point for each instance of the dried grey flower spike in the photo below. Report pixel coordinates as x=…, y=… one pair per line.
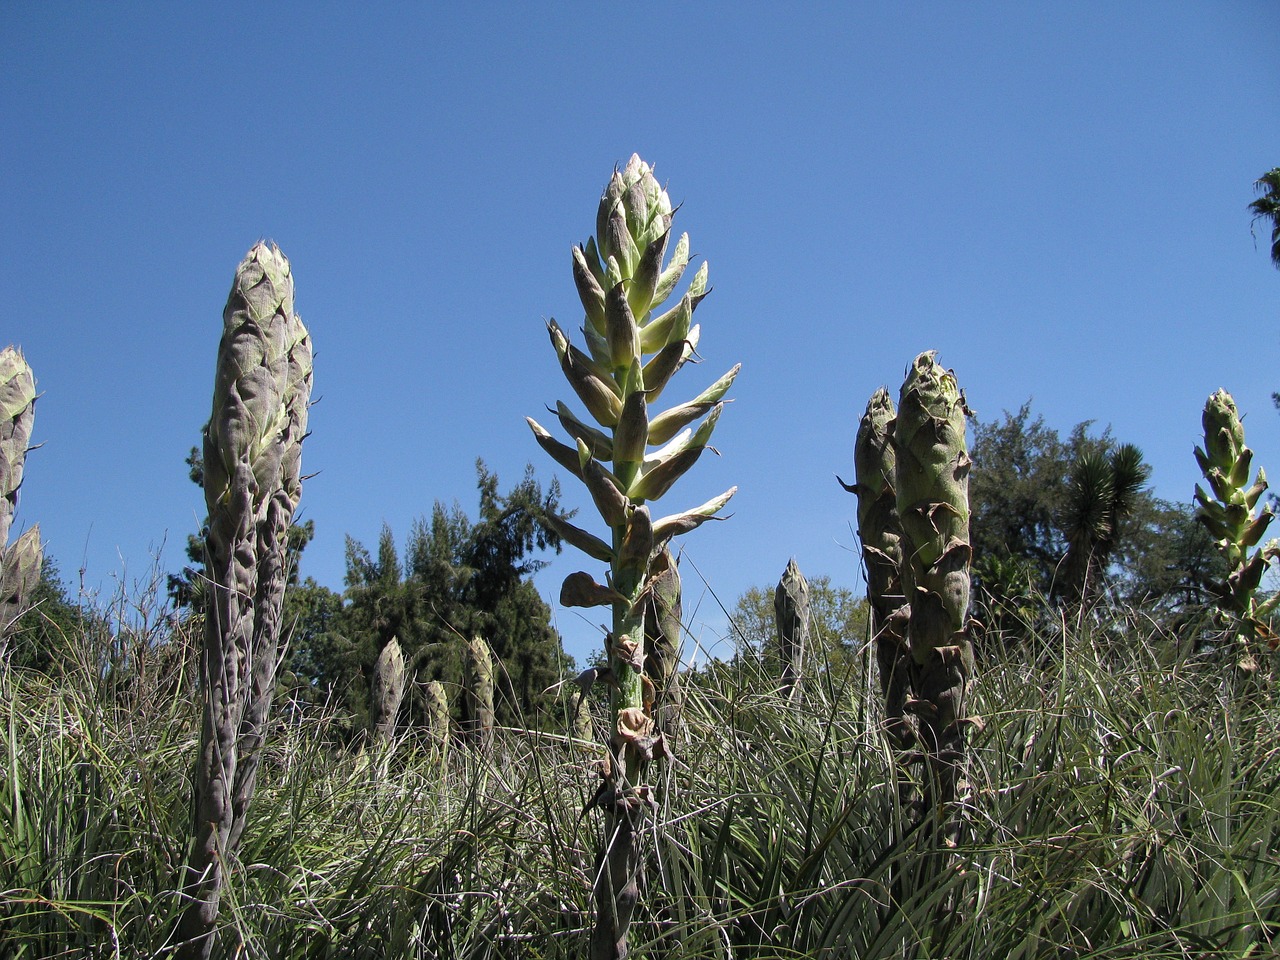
x=253, y=482
x=791, y=618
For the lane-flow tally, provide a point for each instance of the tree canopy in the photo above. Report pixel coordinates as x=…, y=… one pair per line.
x=452, y=578
x=1267, y=208
x=1072, y=518
x=837, y=626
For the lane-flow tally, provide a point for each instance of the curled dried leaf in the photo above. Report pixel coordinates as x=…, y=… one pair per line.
x=634, y=724
x=628, y=651
x=581, y=590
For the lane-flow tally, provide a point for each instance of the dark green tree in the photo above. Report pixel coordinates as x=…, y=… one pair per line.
x=49, y=629
x=1033, y=493
x=1267, y=208
x=1175, y=565
x=320, y=663
x=461, y=578
x=1104, y=490
x=1017, y=492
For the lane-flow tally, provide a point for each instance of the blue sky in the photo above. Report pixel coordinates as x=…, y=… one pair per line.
x=1052, y=196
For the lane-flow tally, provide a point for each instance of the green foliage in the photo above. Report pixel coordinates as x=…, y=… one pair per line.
x=837, y=629
x=1104, y=489
x=1024, y=509
x=44, y=635
x=1267, y=208
x=321, y=661
x=1118, y=806
x=1018, y=490
x=459, y=578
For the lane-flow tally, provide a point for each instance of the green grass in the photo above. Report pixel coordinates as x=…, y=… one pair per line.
x=1120, y=803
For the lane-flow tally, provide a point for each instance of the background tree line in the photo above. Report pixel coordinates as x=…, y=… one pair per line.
x=1067, y=519
x=451, y=579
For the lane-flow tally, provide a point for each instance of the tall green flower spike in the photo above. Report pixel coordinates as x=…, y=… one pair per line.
x=1231, y=517
x=633, y=348
x=477, y=684
x=932, y=477
x=253, y=482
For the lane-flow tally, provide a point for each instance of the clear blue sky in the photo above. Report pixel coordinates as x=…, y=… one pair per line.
x=1052, y=196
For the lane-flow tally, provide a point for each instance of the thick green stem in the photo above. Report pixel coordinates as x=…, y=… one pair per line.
x=932, y=481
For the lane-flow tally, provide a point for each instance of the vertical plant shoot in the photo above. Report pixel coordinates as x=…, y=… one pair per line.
x=880, y=532
x=17, y=416
x=581, y=726
x=662, y=626
x=436, y=705
x=627, y=455
x=477, y=674
x=1232, y=519
x=791, y=618
x=253, y=481
x=932, y=474
x=19, y=562
x=388, y=690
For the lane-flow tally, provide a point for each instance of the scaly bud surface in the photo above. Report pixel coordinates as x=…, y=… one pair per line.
x=1229, y=516
x=17, y=415
x=932, y=481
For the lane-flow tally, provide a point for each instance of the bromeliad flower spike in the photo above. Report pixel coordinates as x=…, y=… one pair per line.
x=627, y=455
x=1234, y=520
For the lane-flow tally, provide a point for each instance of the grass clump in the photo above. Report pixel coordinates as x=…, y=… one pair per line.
x=1117, y=803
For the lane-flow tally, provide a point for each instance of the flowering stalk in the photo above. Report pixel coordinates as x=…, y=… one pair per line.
x=19, y=562
x=477, y=684
x=252, y=483
x=623, y=276
x=880, y=532
x=932, y=480
x=791, y=619
x=1232, y=520
x=388, y=690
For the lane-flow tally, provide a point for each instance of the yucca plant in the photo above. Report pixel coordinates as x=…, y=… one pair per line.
x=932, y=481
x=19, y=562
x=1104, y=489
x=252, y=483
x=791, y=620
x=1233, y=520
x=632, y=353
x=388, y=690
